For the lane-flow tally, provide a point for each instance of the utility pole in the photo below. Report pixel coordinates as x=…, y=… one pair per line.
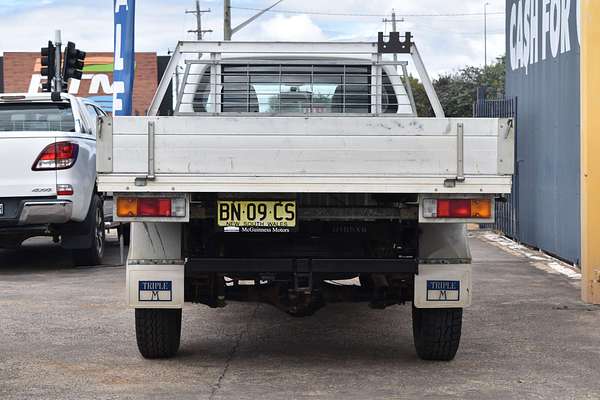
x=394, y=29
x=227, y=20
x=485, y=32
x=227, y=30
x=198, y=12
x=393, y=21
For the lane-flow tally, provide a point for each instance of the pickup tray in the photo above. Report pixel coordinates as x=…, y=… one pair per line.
x=323, y=154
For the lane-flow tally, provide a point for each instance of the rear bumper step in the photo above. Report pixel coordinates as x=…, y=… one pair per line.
x=32, y=213
x=47, y=212
x=291, y=265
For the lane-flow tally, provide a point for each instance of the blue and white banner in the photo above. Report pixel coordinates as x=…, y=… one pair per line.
x=124, y=62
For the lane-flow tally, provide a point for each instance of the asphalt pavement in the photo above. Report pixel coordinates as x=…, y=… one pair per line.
x=66, y=333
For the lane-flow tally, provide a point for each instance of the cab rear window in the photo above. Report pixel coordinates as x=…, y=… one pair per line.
x=302, y=88
x=27, y=117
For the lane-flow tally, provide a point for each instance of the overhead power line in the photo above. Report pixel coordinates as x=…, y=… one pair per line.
x=343, y=14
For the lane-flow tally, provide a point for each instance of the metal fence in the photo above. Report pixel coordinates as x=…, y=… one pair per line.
x=506, y=211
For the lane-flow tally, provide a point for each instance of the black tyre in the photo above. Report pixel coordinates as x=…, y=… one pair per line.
x=437, y=332
x=158, y=332
x=95, y=220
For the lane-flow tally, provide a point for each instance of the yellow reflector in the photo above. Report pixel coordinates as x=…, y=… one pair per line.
x=481, y=208
x=127, y=207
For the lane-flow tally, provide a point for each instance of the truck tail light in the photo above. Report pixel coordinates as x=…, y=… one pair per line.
x=151, y=207
x=60, y=155
x=457, y=208
x=129, y=207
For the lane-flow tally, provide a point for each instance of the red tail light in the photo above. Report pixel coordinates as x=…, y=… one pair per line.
x=454, y=208
x=458, y=208
x=60, y=155
x=153, y=207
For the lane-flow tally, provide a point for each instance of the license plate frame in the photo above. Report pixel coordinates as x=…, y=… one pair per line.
x=257, y=216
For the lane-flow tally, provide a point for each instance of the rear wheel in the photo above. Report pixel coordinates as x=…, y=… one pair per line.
x=437, y=332
x=93, y=254
x=158, y=332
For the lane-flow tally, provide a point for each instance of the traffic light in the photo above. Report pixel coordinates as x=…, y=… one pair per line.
x=73, y=63
x=48, y=66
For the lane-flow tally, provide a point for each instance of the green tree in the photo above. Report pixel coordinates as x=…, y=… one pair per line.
x=421, y=100
x=458, y=91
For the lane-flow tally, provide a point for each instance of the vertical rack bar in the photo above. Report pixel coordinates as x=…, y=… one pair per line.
x=376, y=79
x=344, y=80
x=248, y=86
x=280, y=86
x=216, y=81
x=312, y=87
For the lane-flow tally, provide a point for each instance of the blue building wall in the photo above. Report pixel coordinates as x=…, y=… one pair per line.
x=542, y=47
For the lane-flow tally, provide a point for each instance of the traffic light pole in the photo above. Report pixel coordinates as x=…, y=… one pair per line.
x=57, y=77
x=59, y=69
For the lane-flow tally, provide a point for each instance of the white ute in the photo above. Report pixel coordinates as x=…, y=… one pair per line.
x=292, y=169
x=48, y=173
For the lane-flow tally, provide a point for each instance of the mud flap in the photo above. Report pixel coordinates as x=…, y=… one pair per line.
x=155, y=270
x=155, y=286
x=443, y=286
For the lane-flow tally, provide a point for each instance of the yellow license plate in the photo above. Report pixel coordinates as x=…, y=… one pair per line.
x=256, y=214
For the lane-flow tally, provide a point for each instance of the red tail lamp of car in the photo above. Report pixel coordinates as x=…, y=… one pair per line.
x=60, y=155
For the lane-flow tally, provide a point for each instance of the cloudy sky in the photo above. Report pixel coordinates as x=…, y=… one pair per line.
x=447, y=41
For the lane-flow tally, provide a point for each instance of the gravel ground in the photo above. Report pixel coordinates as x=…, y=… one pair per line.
x=65, y=333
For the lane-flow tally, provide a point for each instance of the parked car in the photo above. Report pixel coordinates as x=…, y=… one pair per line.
x=48, y=173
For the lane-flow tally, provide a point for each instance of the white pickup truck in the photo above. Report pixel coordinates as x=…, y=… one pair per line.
x=298, y=175
x=48, y=173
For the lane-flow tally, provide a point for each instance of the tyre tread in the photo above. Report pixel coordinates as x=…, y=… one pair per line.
x=158, y=332
x=437, y=333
